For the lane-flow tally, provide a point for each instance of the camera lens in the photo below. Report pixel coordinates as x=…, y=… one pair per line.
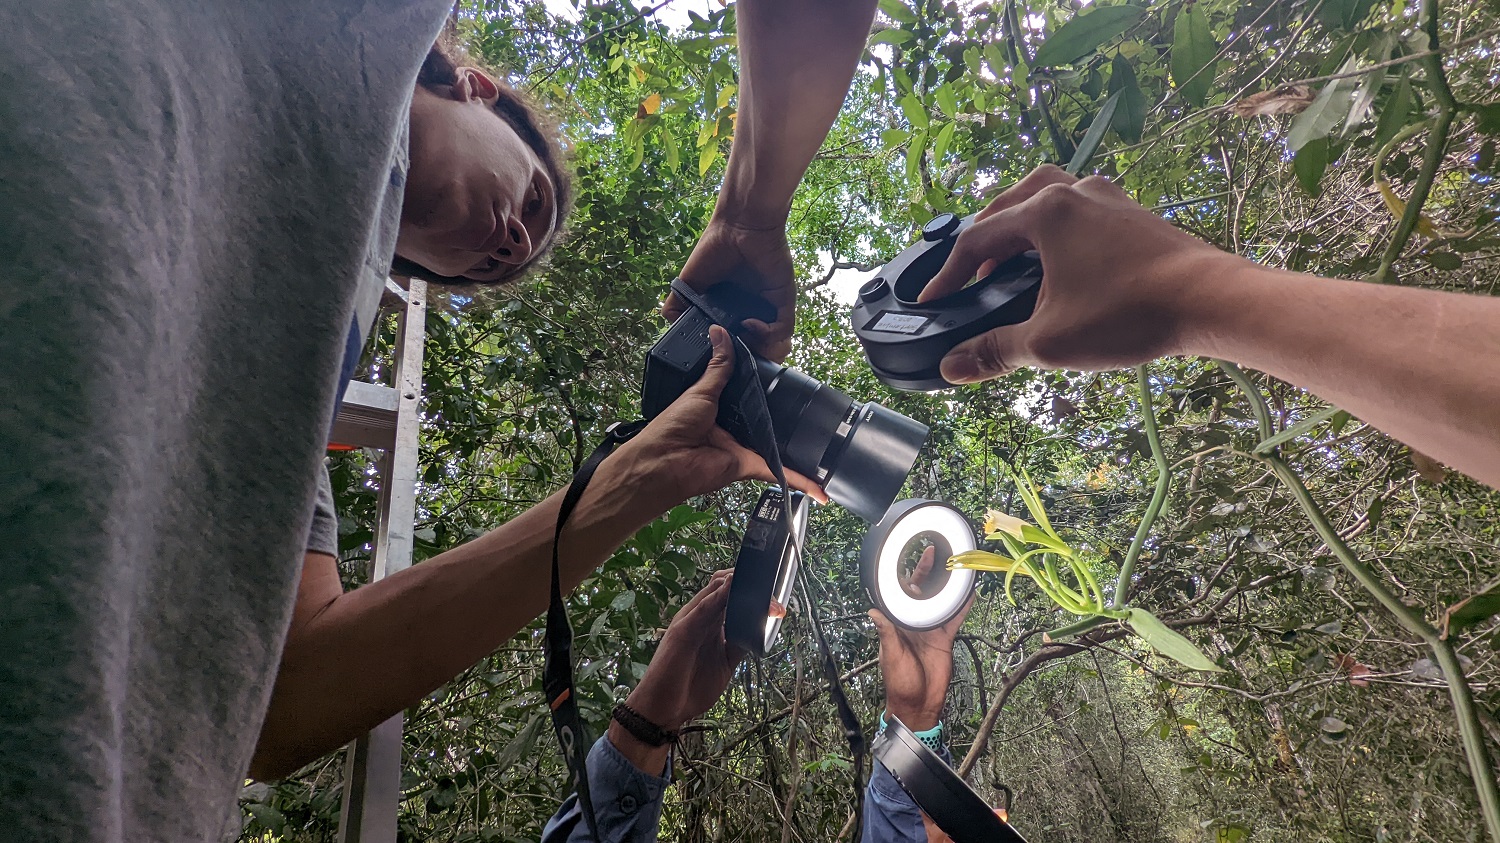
x=859, y=454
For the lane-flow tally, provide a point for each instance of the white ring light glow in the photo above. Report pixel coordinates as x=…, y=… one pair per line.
x=931, y=517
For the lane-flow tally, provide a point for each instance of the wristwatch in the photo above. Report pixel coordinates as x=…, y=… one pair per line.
x=932, y=738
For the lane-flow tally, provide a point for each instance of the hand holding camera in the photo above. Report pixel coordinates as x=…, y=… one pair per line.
x=684, y=448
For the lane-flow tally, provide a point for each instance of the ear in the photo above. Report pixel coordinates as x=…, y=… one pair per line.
x=475, y=84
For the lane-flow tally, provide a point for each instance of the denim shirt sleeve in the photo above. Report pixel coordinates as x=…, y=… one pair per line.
x=890, y=814
x=627, y=802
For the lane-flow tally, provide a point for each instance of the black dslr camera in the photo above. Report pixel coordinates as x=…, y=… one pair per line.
x=859, y=453
x=905, y=341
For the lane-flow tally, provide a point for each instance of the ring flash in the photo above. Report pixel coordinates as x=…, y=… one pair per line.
x=890, y=554
x=765, y=570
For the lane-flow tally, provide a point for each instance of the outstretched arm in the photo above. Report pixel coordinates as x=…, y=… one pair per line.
x=352, y=660
x=1121, y=287
x=797, y=58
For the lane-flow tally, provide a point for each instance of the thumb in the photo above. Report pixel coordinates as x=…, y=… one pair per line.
x=720, y=367
x=998, y=238
x=882, y=623
x=994, y=353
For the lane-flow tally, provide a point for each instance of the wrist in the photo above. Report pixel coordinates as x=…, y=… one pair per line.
x=649, y=481
x=917, y=718
x=735, y=209
x=651, y=760
x=658, y=712
x=1214, y=289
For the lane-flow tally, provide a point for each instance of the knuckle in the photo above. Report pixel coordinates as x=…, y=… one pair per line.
x=991, y=354
x=1048, y=347
x=1055, y=199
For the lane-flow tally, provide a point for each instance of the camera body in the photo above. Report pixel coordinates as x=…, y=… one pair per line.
x=859, y=453
x=904, y=340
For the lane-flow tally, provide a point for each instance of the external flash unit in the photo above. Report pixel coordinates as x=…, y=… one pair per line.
x=765, y=570
x=892, y=551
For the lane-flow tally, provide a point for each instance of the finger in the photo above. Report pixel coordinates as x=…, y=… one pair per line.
x=720, y=367
x=923, y=569
x=771, y=341
x=1026, y=188
x=994, y=353
x=753, y=467
x=775, y=610
x=999, y=238
x=882, y=623
x=672, y=307
x=714, y=582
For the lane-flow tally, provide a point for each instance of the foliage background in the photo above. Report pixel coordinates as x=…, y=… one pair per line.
x=1332, y=722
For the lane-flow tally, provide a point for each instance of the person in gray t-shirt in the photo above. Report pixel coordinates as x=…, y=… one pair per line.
x=196, y=200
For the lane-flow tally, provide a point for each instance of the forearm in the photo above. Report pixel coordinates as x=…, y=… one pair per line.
x=377, y=650
x=1419, y=365
x=797, y=58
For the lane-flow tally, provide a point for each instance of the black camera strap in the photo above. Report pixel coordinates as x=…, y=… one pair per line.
x=557, y=675
x=759, y=417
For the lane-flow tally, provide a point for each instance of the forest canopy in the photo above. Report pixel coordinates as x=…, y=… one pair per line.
x=1344, y=586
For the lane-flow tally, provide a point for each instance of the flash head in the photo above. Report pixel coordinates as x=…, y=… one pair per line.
x=905, y=340
x=937, y=789
x=892, y=550
x=765, y=570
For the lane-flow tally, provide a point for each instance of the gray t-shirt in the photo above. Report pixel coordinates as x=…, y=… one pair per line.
x=190, y=194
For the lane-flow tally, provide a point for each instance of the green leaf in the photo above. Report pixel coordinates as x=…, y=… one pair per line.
x=1085, y=33
x=1447, y=261
x=1328, y=109
x=1092, y=84
x=1309, y=164
x=996, y=59
x=622, y=602
x=915, y=111
x=1472, y=610
x=1130, y=115
x=942, y=141
x=1339, y=421
x=1394, y=114
x=895, y=37
x=520, y=746
x=1168, y=642
x=1095, y=135
x=892, y=138
x=914, y=152
x=898, y=11
x=1343, y=14
x=1193, y=51
x=946, y=100
x=1296, y=430
x=1487, y=118
x=669, y=144
x=706, y=158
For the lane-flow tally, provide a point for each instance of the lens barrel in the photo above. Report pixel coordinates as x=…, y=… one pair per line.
x=859, y=454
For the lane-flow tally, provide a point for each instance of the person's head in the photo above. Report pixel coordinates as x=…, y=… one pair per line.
x=487, y=189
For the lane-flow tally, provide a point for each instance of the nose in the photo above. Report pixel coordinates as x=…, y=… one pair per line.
x=515, y=247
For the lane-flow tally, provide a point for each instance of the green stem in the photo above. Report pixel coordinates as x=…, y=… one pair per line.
x=1158, y=497
x=1470, y=731
x=1437, y=142
x=1077, y=628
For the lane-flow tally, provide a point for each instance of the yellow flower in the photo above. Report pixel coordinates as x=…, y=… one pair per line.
x=996, y=521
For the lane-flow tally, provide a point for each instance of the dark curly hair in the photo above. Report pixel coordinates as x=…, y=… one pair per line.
x=530, y=123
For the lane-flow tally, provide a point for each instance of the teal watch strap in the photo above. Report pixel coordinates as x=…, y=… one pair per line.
x=931, y=738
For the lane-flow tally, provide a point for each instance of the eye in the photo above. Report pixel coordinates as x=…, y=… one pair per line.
x=534, y=199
